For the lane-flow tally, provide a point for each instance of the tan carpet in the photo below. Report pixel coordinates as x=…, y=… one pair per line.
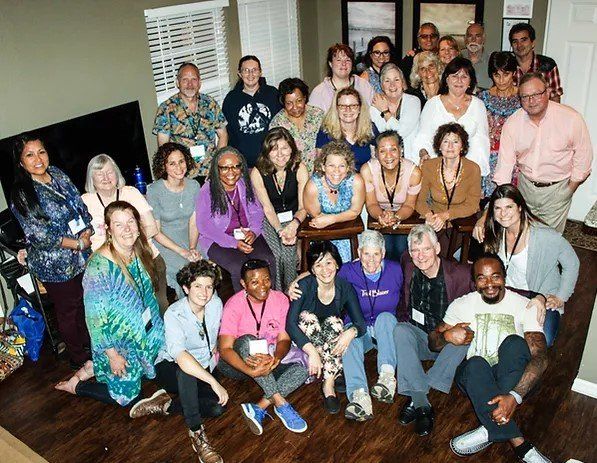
x=14, y=451
x=576, y=236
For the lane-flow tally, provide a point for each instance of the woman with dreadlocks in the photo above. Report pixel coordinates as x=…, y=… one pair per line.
x=230, y=217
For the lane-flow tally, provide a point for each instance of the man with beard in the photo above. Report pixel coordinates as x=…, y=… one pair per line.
x=474, y=40
x=506, y=358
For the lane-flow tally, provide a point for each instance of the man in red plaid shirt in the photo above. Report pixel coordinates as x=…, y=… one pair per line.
x=522, y=39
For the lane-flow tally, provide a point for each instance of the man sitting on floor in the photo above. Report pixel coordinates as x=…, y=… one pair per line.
x=430, y=284
x=505, y=360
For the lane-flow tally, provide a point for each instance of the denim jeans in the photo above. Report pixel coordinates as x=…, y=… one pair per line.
x=551, y=326
x=354, y=357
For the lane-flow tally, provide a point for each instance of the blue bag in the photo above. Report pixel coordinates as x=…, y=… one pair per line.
x=30, y=324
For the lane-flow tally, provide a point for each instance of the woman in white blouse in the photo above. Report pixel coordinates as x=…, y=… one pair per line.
x=456, y=103
x=395, y=110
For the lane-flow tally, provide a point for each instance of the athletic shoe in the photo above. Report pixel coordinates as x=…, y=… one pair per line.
x=290, y=418
x=470, y=442
x=385, y=388
x=157, y=404
x=253, y=415
x=360, y=408
x=535, y=456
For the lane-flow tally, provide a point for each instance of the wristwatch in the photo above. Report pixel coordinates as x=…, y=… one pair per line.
x=516, y=396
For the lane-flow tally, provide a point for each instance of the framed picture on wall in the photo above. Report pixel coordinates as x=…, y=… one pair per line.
x=507, y=24
x=363, y=20
x=451, y=17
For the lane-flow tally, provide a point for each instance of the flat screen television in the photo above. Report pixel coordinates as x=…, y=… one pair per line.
x=116, y=131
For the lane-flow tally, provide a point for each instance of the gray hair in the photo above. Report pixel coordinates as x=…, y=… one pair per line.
x=423, y=59
x=373, y=239
x=418, y=232
x=393, y=67
x=97, y=163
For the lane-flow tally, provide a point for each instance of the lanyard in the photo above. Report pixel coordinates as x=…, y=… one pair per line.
x=383, y=177
x=280, y=190
x=372, y=300
x=236, y=210
x=449, y=196
x=140, y=290
x=194, y=121
x=100, y=198
x=62, y=195
x=206, y=334
x=257, y=323
x=513, y=247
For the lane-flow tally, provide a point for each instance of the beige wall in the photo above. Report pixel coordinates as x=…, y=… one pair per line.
x=588, y=365
x=64, y=59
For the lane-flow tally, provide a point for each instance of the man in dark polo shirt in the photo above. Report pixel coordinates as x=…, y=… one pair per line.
x=431, y=283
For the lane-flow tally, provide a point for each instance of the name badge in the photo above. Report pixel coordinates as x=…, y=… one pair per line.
x=238, y=234
x=146, y=317
x=76, y=225
x=258, y=346
x=198, y=152
x=419, y=317
x=285, y=216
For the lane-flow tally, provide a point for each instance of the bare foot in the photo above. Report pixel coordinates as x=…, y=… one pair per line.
x=68, y=386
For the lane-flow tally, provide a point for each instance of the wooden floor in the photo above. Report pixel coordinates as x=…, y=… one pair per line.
x=66, y=429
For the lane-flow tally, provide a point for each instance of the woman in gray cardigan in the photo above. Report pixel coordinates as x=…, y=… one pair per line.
x=532, y=254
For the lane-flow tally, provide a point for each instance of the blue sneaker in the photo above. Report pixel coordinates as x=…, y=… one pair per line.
x=253, y=415
x=291, y=419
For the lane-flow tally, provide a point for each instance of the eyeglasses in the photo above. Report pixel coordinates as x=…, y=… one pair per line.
x=378, y=53
x=427, y=36
x=247, y=71
x=532, y=96
x=348, y=107
x=226, y=169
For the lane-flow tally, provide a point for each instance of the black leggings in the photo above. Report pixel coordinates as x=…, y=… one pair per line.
x=99, y=391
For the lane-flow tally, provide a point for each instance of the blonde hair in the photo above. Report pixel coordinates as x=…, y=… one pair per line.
x=337, y=148
x=331, y=122
x=423, y=59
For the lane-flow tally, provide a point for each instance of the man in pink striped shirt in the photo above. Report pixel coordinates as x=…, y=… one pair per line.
x=550, y=144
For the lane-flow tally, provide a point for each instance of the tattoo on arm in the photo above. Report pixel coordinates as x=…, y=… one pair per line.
x=436, y=340
x=536, y=366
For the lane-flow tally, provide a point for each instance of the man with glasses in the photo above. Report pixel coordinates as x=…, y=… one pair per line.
x=191, y=118
x=549, y=143
x=522, y=40
x=427, y=39
x=474, y=39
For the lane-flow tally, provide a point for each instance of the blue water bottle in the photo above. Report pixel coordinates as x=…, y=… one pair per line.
x=140, y=183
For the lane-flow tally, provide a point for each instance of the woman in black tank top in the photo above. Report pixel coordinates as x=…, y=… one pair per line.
x=279, y=178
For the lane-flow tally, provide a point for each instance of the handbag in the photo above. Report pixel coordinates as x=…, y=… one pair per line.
x=12, y=351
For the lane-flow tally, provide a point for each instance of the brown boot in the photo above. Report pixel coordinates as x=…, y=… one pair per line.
x=205, y=452
x=157, y=404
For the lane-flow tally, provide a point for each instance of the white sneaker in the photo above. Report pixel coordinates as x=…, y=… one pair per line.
x=535, y=456
x=470, y=442
x=385, y=388
x=360, y=408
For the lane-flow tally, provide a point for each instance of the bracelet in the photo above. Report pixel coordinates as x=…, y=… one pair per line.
x=80, y=244
x=516, y=396
x=297, y=220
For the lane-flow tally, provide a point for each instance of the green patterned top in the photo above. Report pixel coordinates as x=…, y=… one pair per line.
x=114, y=311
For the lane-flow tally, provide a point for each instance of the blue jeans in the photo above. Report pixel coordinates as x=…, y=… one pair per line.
x=353, y=359
x=395, y=246
x=551, y=326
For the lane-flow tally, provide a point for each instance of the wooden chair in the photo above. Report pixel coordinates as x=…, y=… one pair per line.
x=338, y=231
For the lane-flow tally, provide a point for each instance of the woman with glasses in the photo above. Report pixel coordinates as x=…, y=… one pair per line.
x=456, y=104
x=230, y=217
x=501, y=100
x=340, y=60
x=380, y=51
x=249, y=108
x=302, y=120
x=348, y=120
x=425, y=75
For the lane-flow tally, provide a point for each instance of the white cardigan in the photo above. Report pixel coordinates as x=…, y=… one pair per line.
x=407, y=126
x=474, y=121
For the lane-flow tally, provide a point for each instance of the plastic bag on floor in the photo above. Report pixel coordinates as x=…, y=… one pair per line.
x=30, y=324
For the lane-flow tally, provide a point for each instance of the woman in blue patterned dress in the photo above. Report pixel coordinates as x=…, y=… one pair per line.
x=501, y=100
x=335, y=193
x=123, y=317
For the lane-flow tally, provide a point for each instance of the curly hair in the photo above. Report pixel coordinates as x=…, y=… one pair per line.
x=288, y=86
x=202, y=268
x=447, y=129
x=219, y=200
x=331, y=122
x=264, y=164
x=453, y=67
x=424, y=59
x=160, y=159
x=337, y=148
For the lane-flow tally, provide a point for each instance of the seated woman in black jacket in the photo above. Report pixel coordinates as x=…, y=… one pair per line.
x=315, y=320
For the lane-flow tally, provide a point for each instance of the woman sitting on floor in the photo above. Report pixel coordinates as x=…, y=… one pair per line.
x=253, y=343
x=315, y=321
x=189, y=357
x=123, y=318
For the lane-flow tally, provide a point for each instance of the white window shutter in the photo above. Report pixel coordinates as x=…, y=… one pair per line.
x=269, y=30
x=196, y=33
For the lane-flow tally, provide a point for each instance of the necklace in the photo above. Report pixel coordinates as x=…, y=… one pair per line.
x=333, y=188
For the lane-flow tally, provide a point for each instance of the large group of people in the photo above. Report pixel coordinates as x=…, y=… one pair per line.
x=439, y=134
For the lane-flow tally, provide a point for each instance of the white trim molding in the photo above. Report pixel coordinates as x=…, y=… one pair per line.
x=585, y=387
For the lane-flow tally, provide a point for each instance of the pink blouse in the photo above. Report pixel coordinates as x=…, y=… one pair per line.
x=402, y=189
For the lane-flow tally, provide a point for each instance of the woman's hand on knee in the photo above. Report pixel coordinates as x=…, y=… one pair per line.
x=343, y=340
x=315, y=365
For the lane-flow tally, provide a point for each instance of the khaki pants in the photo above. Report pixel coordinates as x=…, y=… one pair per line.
x=550, y=203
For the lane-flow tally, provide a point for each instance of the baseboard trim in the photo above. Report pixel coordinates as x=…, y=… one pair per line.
x=585, y=387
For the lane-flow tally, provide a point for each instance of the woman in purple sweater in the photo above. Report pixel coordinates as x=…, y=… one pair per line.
x=229, y=216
